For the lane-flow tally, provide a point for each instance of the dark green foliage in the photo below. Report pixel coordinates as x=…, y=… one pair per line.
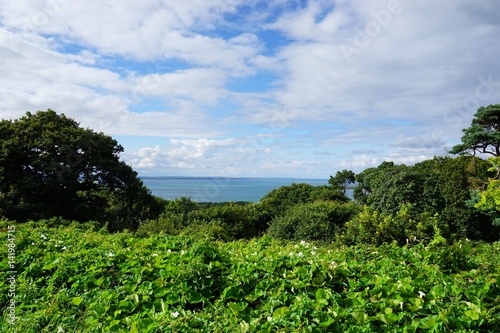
x=231, y=217
x=342, y=180
x=316, y=221
x=225, y=221
x=439, y=186
x=279, y=201
x=483, y=135
x=49, y=166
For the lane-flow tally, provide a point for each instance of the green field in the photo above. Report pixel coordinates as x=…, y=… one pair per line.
x=77, y=279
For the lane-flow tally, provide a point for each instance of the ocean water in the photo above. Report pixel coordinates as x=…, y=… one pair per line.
x=219, y=189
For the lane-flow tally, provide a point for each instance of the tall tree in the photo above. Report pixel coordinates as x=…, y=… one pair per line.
x=50, y=166
x=342, y=180
x=483, y=135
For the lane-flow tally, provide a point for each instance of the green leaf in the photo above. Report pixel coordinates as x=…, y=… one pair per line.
x=77, y=301
x=389, y=318
x=361, y=317
x=280, y=312
x=51, y=265
x=327, y=322
x=238, y=307
x=194, y=297
x=428, y=322
x=232, y=292
x=322, y=294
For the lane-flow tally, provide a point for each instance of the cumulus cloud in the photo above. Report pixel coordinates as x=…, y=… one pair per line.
x=337, y=83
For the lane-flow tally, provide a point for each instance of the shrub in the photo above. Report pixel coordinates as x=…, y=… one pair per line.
x=231, y=217
x=317, y=221
x=372, y=227
x=167, y=223
x=208, y=231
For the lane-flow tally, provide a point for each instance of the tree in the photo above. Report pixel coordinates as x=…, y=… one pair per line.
x=49, y=166
x=342, y=180
x=439, y=186
x=483, y=136
x=489, y=199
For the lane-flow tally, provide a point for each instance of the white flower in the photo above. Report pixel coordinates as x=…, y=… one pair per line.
x=64, y=247
x=60, y=329
x=401, y=305
x=43, y=236
x=110, y=254
x=421, y=293
x=155, y=254
x=175, y=314
x=291, y=253
x=303, y=242
x=182, y=252
x=300, y=254
x=32, y=243
x=169, y=251
x=313, y=253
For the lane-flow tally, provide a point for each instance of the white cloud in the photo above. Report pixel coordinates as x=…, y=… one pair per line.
x=245, y=85
x=435, y=140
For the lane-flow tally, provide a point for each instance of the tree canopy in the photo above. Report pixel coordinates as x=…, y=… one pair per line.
x=52, y=167
x=483, y=135
x=439, y=186
x=342, y=180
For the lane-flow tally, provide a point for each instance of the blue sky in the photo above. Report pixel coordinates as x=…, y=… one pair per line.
x=256, y=88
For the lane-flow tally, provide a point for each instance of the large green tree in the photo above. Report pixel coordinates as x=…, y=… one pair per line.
x=483, y=135
x=50, y=166
x=439, y=186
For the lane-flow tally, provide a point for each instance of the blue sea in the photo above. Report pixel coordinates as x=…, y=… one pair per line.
x=220, y=189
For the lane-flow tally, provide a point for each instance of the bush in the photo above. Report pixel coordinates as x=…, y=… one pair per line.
x=317, y=221
x=372, y=227
x=231, y=217
x=212, y=231
x=166, y=223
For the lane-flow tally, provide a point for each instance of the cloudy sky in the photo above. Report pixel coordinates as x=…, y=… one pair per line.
x=269, y=88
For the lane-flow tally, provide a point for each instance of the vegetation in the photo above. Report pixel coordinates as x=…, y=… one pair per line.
x=483, y=135
x=417, y=251
x=342, y=180
x=78, y=279
x=49, y=166
x=439, y=187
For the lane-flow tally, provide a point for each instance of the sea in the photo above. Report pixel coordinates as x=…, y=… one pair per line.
x=212, y=189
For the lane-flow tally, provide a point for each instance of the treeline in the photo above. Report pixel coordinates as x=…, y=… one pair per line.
x=430, y=200
x=52, y=169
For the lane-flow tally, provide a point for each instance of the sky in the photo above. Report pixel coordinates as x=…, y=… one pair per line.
x=251, y=88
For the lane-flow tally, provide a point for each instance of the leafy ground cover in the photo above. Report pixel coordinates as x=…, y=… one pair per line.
x=76, y=279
